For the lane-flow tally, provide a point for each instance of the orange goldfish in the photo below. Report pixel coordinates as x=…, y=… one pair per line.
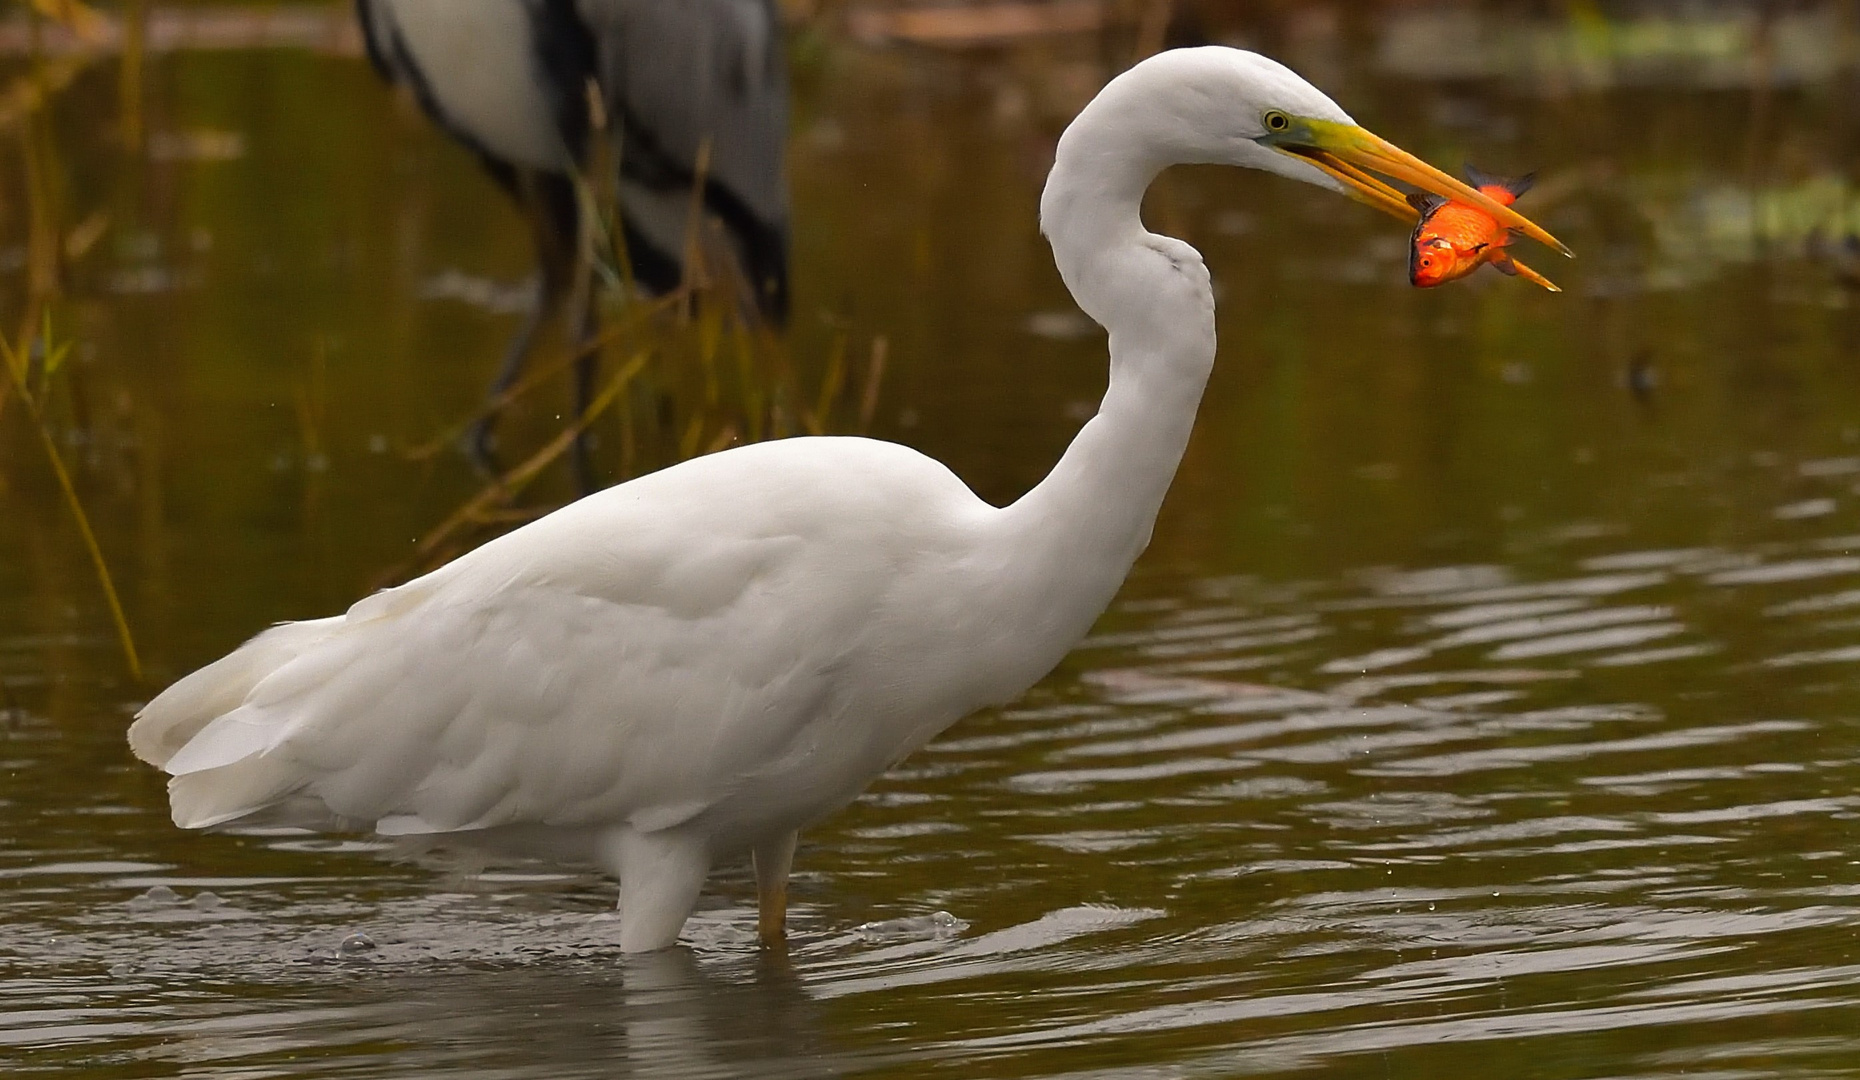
x=1453, y=239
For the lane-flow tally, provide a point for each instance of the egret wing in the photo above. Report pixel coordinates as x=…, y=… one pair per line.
x=631, y=657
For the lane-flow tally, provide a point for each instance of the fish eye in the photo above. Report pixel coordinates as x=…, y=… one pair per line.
x=1276, y=120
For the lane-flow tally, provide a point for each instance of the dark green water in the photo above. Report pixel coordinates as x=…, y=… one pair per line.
x=1472, y=713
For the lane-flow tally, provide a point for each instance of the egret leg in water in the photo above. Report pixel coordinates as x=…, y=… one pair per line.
x=773, y=858
x=698, y=663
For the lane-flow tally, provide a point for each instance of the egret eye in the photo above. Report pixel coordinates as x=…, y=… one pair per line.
x=1276, y=120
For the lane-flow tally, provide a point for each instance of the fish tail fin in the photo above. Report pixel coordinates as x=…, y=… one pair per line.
x=1483, y=180
x=1508, y=265
x=1426, y=202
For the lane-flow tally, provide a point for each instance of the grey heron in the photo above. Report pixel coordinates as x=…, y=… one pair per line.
x=696, y=95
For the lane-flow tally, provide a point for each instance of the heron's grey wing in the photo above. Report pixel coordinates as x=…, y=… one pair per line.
x=507, y=78
x=682, y=74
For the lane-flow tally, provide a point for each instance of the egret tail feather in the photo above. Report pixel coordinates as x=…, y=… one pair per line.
x=184, y=710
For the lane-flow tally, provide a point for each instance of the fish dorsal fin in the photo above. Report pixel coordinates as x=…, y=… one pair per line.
x=1426, y=202
x=1479, y=178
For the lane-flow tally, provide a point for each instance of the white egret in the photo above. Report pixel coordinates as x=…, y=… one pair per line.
x=705, y=660
x=679, y=80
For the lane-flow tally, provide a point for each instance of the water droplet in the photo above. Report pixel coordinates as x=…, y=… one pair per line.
x=156, y=896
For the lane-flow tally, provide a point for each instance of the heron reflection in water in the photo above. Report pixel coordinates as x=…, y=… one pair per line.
x=694, y=93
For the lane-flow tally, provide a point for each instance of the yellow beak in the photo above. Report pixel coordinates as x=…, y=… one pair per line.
x=1352, y=154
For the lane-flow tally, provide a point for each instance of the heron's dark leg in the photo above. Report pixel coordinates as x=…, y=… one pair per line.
x=478, y=438
x=572, y=248
x=587, y=366
x=552, y=225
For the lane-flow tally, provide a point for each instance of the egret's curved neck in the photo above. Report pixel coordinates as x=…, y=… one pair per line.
x=1080, y=529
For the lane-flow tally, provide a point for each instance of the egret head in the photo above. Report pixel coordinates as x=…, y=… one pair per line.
x=1224, y=106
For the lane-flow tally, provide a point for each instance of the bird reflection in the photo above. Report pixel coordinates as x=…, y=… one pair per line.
x=694, y=95
x=659, y=1014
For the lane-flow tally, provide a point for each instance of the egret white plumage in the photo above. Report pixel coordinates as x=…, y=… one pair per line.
x=705, y=660
x=680, y=81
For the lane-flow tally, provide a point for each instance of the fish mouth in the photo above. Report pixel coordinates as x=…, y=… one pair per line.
x=1353, y=156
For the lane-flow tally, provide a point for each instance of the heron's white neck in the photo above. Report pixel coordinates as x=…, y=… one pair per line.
x=1078, y=532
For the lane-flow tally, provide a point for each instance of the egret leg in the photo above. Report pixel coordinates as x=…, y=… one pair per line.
x=660, y=875
x=773, y=858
